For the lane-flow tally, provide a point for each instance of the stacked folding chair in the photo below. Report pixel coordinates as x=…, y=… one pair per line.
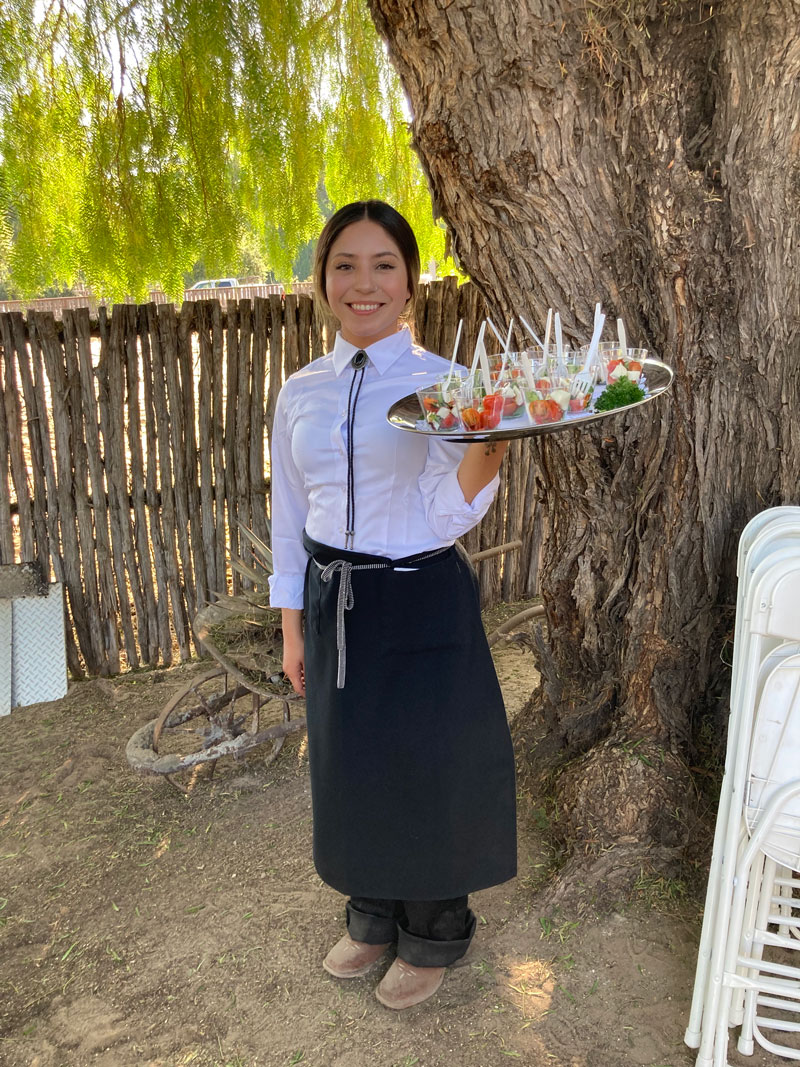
x=748, y=966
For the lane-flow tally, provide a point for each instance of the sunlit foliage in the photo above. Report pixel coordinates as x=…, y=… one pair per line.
x=141, y=137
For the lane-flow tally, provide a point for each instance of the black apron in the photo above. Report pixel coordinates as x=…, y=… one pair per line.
x=412, y=768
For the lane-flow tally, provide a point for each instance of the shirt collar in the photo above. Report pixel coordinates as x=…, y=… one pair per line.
x=382, y=354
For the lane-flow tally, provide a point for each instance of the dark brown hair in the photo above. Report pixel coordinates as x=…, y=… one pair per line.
x=385, y=216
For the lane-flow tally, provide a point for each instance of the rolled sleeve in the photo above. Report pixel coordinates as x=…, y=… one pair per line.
x=447, y=512
x=286, y=590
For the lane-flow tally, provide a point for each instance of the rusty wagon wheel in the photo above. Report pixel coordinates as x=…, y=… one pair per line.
x=212, y=716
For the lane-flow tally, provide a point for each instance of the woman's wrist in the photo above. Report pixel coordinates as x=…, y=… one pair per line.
x=480, y=464
x=292, y=624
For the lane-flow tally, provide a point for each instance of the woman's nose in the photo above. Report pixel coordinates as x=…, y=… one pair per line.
x=365, y=282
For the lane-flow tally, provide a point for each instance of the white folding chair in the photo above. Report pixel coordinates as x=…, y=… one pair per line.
x=767, y=982
x=755, y=543
x=779, y=655
x=769, y=617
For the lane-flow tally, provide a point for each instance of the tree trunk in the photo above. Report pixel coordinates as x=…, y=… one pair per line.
x=644, y=154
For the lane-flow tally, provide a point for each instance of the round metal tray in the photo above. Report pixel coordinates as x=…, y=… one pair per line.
x=405, y=413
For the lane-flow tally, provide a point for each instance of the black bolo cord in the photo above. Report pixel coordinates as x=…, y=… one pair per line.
x=359, y=364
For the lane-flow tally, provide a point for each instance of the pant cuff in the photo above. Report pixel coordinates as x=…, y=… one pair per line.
x=425, y=952
x=371, y=929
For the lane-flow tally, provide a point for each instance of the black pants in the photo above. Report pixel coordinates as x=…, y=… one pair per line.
x=429, y=933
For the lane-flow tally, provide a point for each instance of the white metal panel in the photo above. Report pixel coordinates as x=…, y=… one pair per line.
x=38, y=652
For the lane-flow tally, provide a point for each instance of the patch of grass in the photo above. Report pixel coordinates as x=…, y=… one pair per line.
x=484, y=968
x=563, y=930
x=540, y=818
x=660, y=893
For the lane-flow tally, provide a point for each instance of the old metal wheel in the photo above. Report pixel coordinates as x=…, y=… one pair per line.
x=212, y=716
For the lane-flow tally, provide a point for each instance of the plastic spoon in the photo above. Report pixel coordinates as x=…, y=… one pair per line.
x=546, y=349
x=481, y=361
x=495, y=331
x=623, y=340
x=505, y=350
x=559, y=342
x=476, y=354
x=453, y=360
x=529, y=328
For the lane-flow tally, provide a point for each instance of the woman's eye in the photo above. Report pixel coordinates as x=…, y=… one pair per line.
x=386, y=266
x=342, y=266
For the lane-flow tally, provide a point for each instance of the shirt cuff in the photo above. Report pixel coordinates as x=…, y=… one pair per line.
x=286, y=590
x=461, y=515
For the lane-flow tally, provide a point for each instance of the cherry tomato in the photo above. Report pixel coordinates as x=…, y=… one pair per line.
x=471, y=418
x=545, y=411
x=492, y=410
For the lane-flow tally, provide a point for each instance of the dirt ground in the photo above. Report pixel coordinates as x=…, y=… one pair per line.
x=140, y=927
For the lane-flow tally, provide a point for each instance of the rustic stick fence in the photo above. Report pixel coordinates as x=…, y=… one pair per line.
x=132, y=445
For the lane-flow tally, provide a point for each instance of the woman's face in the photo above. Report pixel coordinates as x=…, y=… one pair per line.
x=367, y=282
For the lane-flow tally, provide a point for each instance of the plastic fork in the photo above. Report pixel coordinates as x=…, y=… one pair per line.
x=583, y=382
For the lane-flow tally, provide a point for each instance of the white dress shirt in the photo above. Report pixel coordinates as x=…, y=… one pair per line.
x=407, y=496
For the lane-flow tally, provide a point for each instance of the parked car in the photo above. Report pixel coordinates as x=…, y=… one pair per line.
x=215, y=283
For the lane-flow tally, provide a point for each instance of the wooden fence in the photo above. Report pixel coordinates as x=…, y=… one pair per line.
x=132, y=445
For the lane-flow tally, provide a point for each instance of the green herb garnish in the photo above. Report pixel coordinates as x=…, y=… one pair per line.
x=619, y=395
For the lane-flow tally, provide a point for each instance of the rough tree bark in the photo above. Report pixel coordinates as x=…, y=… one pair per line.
x=644, y=153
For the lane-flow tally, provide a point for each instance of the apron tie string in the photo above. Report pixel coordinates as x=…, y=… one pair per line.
x=344, y=602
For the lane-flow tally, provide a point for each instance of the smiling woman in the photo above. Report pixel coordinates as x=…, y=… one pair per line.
x=412, y=787
x=367, y=269
x=366, y=283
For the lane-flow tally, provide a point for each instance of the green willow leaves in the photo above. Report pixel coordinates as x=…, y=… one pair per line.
x=139, y=138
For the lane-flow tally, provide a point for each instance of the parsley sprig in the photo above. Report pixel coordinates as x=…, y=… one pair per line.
x=619, y=395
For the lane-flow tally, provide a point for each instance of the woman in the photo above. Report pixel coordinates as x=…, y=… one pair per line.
x=412, y=773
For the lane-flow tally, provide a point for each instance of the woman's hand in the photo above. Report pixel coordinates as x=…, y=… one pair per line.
x=294, y=658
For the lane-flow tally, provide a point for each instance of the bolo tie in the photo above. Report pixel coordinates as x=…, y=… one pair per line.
x=359, y=365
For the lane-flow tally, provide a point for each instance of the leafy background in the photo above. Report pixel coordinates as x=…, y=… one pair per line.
x=159, y=141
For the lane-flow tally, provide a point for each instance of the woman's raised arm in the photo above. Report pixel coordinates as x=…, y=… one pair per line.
x=480, y=464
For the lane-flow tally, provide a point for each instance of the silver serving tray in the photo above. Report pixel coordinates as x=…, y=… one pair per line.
x=405, y=414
